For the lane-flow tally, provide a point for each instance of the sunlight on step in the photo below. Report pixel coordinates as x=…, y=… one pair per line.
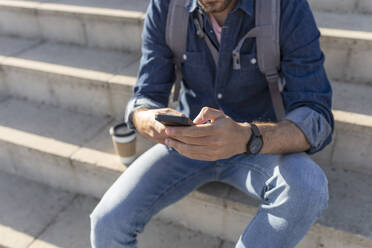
x=12, y=236
x=348, y=34
x=354, y=118
x=37, y=142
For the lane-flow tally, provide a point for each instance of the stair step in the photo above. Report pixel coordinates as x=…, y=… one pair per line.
x=346, y=37
x=342, y=6
x=37, y=216
x=116, y=28
x=60, y=143
x=74, y=151
x=81, y=79
x=346, y=41
x=26, y=209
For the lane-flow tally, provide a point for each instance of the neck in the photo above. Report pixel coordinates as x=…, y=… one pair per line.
x=221, y=16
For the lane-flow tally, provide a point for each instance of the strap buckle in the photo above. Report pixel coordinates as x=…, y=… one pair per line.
x=236, y=60
x=273, y=78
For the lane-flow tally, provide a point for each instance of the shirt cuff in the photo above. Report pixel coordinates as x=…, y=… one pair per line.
x=314, y=126
x=136, y=103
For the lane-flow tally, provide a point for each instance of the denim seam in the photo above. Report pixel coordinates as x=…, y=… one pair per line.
x=253, y=166
x=166, y=191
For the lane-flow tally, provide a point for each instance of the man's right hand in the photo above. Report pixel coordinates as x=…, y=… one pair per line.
x=145, y=123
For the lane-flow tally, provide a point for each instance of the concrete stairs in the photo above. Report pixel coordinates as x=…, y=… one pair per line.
x=56, y=218
x=114, y=24
x=66, y=72
x=73, y=151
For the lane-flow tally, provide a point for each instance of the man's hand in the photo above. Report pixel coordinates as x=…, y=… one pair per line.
x=145, y=123
x=221, y=138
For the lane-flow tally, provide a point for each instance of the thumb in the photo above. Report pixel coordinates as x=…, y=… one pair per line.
x=208, y=114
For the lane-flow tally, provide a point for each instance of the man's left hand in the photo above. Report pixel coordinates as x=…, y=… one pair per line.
x=220, y=138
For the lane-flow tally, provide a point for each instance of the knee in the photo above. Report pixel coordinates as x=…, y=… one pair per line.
x=110, y=224
x=308, y=184
x=100, y=222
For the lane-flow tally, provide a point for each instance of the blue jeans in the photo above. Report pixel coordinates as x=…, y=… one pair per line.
x=293, y=190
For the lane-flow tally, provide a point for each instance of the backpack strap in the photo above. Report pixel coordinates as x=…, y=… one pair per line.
x=268, y=49
x=266, y=32
x=198, y=22
x=176, y=38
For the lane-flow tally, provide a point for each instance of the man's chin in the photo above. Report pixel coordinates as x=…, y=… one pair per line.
x=212, y=8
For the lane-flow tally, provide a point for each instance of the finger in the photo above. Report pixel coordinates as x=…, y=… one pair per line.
x=186, y=148
x=202, y=130
x=171, y=112
x=208, y=114
x=211, y=141
x=159, y=129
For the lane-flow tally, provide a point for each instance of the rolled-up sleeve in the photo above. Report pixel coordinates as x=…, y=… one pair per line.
x=156, y=71
x=314, y=126
x=307, y=94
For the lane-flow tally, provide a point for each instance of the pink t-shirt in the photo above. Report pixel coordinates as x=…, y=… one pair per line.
x=216, y=27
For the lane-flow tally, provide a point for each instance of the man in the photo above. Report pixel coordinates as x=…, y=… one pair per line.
x=292, y=188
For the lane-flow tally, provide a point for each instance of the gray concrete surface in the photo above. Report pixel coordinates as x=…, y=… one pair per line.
x=343, y=6
x=88, y=26
x=100, y=82
x=131, y=5
x=350, y=202
x=50, y=149
x=66, y=76
x=355, y=99
x=12, y=46
x=79, y=57
x=37, y=216
x=117, y=25
x=27, y=208
x=46, y=142
x=346, y=42
x=18, y=18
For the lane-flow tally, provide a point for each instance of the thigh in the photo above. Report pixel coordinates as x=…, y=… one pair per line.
x=156, y=179
x=255, y=175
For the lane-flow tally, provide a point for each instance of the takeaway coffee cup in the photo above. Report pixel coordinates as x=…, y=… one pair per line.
x=124, y=141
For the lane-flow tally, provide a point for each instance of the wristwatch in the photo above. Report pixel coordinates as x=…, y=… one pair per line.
x=255, y=143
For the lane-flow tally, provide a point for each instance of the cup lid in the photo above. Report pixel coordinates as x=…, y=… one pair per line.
x=121, y=130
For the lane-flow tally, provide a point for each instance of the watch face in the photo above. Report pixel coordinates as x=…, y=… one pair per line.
x=256, y=146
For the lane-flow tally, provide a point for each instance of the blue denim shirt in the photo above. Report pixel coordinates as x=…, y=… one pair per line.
x=242, y=94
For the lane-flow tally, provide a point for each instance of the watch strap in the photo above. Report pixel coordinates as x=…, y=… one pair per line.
x=255, y=131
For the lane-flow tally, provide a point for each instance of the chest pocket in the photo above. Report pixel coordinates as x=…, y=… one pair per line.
x=248, y=62
x=197, y=72
x=248, y=80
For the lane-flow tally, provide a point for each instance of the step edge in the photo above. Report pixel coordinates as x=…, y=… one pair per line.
x=45, y=67
x=210, y=198
x=138, y=16
x=43, y=7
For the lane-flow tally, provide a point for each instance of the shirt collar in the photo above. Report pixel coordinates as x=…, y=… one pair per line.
x=245, y=5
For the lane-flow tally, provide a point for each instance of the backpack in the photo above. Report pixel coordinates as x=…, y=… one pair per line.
x=266, y=32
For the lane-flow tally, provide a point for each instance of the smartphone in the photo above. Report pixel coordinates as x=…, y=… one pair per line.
x=172, y=120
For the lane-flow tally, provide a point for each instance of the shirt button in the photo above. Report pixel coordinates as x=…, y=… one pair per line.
x=219, y=96
x=253, y=61
x=184, y=57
